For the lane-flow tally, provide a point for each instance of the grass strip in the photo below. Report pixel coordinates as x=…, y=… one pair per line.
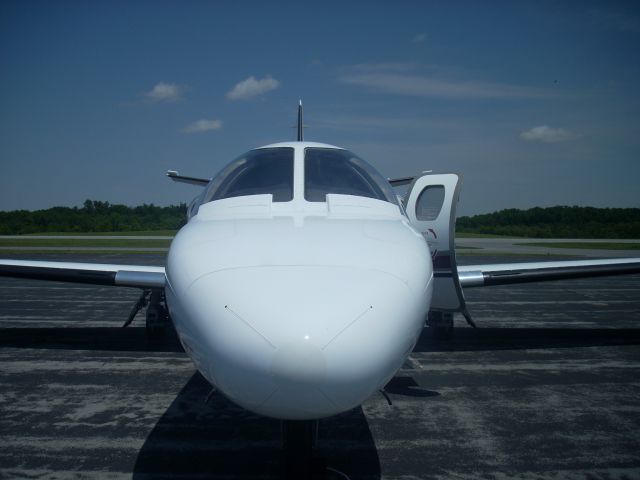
x=482, y=235
x=585, y=245
x=82, y=242
x=80, y=252
x=143, y=233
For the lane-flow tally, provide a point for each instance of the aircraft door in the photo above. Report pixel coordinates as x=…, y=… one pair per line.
x=431, y=207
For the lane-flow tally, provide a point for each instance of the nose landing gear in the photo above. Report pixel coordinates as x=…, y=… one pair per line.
x=157, y=319
x=301, y=460
x=441, y=323
x=300, y=440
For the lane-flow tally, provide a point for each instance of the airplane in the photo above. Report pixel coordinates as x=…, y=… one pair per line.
x=301, y=282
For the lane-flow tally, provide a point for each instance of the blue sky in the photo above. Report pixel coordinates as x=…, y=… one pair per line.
x=535, y=103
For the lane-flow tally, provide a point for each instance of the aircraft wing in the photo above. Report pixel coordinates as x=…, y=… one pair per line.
x=92, y=273
x=176, y=177
x=509, y=273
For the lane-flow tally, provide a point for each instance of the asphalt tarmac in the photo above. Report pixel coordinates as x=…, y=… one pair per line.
x=486, y=246
x=547, y=388
x=518, y=246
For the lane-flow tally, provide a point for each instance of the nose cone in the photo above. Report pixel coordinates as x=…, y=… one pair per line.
x=298, y=321
x=298, y=364
x=312, y=341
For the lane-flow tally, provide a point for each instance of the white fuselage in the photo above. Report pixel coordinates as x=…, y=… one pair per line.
x=298, y=310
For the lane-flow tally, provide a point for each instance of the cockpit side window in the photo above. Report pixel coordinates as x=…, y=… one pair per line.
x=328, y=170
x=258, y=172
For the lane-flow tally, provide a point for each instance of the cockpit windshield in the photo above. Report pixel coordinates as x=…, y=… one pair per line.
x=329, y=170
x=258, y=172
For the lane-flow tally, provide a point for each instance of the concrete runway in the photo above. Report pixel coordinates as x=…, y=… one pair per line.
x=85, y=237
x=486, y=246
x=547, y=388
x=514, y=246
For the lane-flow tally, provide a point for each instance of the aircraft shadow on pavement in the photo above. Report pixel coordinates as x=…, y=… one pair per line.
x=478, y=339
x=408, y=387
x=464, y=339
x=218, y=439
x=88, y=338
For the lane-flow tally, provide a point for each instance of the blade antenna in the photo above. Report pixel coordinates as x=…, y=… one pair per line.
x=300, y=125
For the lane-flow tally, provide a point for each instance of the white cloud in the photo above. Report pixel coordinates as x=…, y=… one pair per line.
x=546, y=134
x=419, y=38
x=251, y=87
x=403, y=79
x=165, y=92
x=202, y=126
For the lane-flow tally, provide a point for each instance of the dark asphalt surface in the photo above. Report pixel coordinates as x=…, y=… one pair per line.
x=548, y=387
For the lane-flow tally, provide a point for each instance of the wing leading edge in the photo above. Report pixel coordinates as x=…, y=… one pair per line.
x=510, y=273
x=470, y=275
x=176, y=177
x=91, y=273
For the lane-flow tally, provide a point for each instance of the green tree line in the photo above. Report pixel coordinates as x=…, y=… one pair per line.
x=556, y=222
x=94, y=216
x=552, y=222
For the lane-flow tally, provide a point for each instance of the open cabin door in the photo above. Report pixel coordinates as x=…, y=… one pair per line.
x=431, y=207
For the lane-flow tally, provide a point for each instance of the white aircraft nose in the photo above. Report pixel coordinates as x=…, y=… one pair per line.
x=299, y=364
x=301, y=341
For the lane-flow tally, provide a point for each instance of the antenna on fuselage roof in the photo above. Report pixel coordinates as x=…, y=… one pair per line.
x=300, y=124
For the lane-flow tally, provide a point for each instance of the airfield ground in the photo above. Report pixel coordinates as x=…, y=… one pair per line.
x=548, y=387
x=158, y=242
